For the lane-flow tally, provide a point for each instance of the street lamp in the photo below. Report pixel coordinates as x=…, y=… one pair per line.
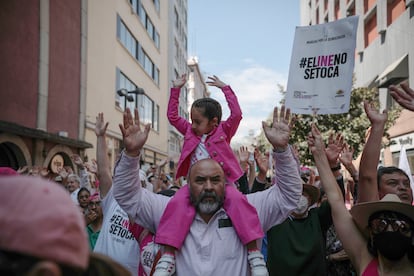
x=125, y=93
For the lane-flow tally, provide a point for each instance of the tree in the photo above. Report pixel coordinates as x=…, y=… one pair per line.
x=352, y=125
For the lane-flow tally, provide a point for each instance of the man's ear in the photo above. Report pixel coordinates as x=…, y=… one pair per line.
x=45, y=268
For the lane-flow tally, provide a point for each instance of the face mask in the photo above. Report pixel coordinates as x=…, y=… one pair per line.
x=392, y=245
x=302, y=205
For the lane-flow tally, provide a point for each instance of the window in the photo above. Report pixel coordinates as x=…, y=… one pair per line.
x=148, y=110
x=368, y=4
x=148, y=66
x=394, y=9
x=176, y=18
x=157, y=5
x=370, y=32
x=124, y=82
x=136, y=50
x=150, y=28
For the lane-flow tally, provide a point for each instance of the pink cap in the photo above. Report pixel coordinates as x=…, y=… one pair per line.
x=38, y=218
x=95, y=196
x=7, y=171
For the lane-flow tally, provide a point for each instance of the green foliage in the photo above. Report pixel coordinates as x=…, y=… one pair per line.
x=352, y=125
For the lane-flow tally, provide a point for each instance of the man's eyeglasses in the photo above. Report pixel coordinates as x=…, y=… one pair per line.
x=379, y=225
x=94, y=203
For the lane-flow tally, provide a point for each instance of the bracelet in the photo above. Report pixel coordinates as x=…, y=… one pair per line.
x=279, y=150
x=337, y=168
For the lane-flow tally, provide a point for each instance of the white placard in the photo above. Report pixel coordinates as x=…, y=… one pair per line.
x=321, y=67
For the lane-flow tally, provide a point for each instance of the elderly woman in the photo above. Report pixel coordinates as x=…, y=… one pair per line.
x=377, y=236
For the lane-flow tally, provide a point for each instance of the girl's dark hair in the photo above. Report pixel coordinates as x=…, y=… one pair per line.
x=83, y=189
x=209, y=107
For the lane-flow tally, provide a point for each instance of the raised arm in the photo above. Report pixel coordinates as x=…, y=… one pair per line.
x=352, y=240
x=137, y=202
x=333, y=150
x=243, y=181
x=231, y=124
x=404, y=96
x=368, y=186
x=82, y=172
x=173, y=116
x=103, y=166
x=346, y=159
x=284, y=195
x=262, y=161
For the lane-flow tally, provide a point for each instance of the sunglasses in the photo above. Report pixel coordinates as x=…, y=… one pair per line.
x=380, y=225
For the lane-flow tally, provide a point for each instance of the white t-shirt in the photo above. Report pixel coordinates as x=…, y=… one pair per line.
x=115, y=240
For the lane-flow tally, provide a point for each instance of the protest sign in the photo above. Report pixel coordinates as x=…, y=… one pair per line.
x=321, y=67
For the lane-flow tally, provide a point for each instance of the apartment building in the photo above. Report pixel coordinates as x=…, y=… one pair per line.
x=384, y=54
x=177, y=60
x=41, y=111
x=66, y=61
x=126, y=66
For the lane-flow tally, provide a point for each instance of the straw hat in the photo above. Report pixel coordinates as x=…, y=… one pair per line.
x=390, y=202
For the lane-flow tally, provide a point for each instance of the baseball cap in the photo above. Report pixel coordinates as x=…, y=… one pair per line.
x=7, y=171
x=39, y=219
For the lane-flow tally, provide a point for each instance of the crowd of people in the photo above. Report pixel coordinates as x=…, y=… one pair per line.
x=235, y=213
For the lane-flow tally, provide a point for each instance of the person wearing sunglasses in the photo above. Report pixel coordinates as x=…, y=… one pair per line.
x=376, y=235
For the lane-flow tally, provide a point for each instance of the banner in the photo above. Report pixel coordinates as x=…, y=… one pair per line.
x=321, y=67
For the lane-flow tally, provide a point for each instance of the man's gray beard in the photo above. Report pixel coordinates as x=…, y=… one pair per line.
x=207, y=207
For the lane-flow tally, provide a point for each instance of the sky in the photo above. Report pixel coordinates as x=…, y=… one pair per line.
x=248, y=45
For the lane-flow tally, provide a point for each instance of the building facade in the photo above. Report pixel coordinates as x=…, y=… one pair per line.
x=126, y=66
x=42, y=111
x=177, y=59
x=63, y=62
x=384, y=55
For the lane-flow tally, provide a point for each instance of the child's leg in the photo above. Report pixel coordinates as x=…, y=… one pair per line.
x=176, y=221
x=243, y=216
x=173, y=228
x=247, y=225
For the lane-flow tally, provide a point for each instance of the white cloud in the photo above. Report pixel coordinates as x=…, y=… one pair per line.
x=257, y=90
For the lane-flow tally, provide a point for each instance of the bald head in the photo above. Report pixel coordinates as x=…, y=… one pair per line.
x=205, y=166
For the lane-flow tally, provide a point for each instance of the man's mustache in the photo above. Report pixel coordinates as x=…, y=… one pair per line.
x=204, y=195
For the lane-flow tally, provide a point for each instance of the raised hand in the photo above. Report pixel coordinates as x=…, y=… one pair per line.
x=92, y=166
x=23, y=170
x=404, y=97
x=180, y=81
x=69, y=169
x=334, y=148
x=244, y=154
x=62, y=172
x=100, y=125
x=215, y=81
x=315, y=141
x=347, y=155
x=77, y=160
x=44, y=172
x=262, y=161
x=279, y=132
x=134, y=138
x=374, y=116
x=35, y=170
